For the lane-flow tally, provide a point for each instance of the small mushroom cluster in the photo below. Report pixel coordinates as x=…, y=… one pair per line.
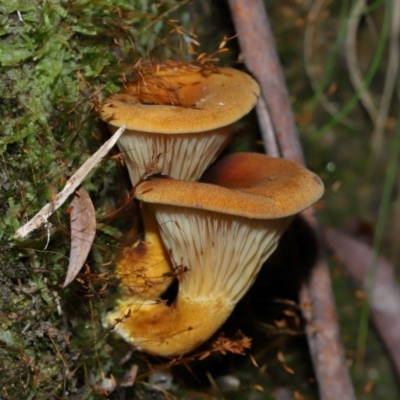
x=213, y=235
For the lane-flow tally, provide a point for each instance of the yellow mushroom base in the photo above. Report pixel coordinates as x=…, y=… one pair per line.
x=168, y=331
x=144, y=268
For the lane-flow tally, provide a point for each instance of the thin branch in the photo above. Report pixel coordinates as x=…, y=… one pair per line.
x=267, y=130
x=353, y=68
x=385, y=297
x=309, y=35
x=392, y=71
x=41, y=217
x=258, y=48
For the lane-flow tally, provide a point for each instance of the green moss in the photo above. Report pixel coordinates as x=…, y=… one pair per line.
x=57, y=60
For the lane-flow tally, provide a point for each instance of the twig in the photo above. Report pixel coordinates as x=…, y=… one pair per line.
x=258, y=47
x=378, y=115
x=392, y=71
x=267, y=130
x=353, y=68
x=309, y=34
x=41, y=217
x=322, y=329
x=385, y=297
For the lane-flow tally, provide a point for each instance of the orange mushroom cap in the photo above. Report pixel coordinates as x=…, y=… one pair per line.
x=173, y=98
x=179, y=117
x=245, y=184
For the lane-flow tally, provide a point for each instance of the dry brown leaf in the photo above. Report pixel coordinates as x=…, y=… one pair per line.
x=281, y=358
x=368, y=387
x=83, y=230
x=288, y=369
x=297, y=395
x=253, y=361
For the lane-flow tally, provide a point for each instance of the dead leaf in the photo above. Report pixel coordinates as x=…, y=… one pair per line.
x=281, y=358
x=253, y=361
x=297, y=395
x=83, y=230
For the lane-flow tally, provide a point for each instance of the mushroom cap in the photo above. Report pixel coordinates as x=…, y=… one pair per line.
x=174, y=97
x=247, y=184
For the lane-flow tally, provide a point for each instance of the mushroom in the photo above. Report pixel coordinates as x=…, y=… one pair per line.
x=218, y=233
x=179, y=117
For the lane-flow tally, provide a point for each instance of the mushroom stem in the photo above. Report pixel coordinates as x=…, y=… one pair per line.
x=144, y=268
x=221, y=254
x=219, y=257
x=169, y=330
